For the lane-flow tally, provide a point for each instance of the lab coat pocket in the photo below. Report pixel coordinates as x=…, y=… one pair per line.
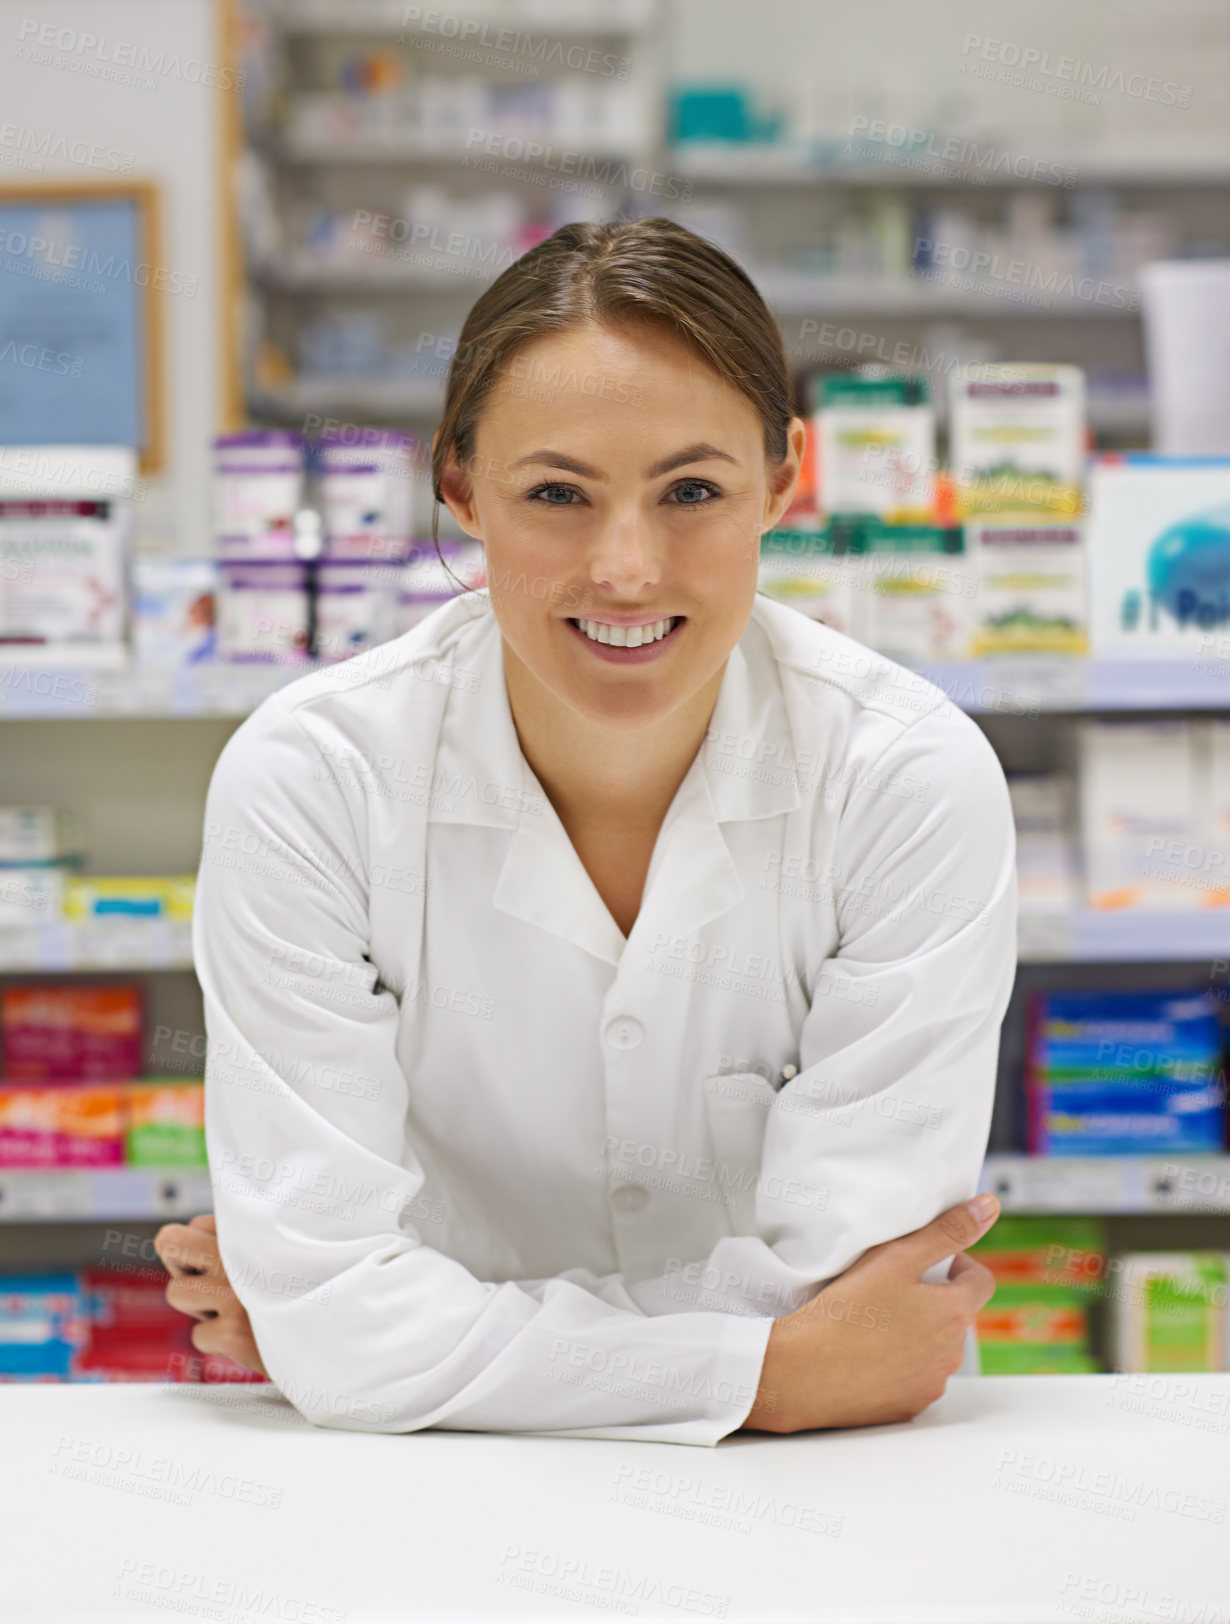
x=737, y=1104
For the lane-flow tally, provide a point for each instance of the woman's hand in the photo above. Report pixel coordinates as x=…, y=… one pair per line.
x=200, y=1287
x=877, y=1344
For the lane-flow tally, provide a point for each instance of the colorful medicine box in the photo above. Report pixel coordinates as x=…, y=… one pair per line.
x=61, y=1125
x=165, y=1123
x=54, y=1033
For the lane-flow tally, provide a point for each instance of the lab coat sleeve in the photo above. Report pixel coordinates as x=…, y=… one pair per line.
x=886, y=1123
x=360, y=1324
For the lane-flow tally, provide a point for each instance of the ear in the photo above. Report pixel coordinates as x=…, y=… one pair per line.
x=784, y=478
x=457, y=488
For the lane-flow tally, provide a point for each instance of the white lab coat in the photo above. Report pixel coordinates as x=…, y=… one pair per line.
x=481, y=1163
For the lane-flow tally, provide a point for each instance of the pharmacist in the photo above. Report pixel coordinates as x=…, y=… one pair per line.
x=603, y=980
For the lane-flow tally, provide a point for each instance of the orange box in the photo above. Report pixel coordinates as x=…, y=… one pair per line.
x=64, y=1125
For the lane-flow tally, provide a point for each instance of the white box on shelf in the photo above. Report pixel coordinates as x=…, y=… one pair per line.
x=1158, y=537
x=65, y=527
x=1141, y=811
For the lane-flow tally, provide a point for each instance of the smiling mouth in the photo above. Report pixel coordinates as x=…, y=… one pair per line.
x=657, y=631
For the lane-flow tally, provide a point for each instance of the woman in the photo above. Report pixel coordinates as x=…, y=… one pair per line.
x=603, y=980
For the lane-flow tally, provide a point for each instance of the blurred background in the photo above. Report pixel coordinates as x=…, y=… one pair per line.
x=238, y=241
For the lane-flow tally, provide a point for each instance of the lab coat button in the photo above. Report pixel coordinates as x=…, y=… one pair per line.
x=625, y=1033
x=629, y=1197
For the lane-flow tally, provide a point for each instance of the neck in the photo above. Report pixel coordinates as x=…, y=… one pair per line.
x=595, y=775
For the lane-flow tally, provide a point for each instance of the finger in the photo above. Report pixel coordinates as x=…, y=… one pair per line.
x=205, y=1221
x=223, y=1341
x=187, y=1251
x=202, y=1297
x=972, y=1278
x=952, y=1231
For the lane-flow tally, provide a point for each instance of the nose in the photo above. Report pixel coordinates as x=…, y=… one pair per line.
x=626, y=558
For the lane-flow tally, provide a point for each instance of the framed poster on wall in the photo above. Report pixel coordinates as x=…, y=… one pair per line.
x=82, y=283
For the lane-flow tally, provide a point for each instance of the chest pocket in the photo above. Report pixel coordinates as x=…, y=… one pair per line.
x=737, y=1104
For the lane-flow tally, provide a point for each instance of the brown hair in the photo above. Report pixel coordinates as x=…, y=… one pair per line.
x=652, y=270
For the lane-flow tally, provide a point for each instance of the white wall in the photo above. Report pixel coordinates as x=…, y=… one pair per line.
x=171, y=127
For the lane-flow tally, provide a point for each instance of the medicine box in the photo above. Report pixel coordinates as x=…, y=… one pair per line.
x=1159, y=556
x=1030, y=577
x=875, y=445
x=1017, y=438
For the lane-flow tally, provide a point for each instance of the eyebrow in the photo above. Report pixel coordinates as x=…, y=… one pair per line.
x=701, y=452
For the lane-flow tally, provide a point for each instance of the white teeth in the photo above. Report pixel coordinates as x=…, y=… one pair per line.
x=625, y=636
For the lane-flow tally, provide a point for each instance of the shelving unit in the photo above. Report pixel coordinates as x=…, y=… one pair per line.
x=103, y=1194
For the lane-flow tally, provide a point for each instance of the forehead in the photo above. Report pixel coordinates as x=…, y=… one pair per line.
x=597, y=378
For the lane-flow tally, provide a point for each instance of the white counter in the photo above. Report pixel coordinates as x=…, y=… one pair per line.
x=1023, y=1499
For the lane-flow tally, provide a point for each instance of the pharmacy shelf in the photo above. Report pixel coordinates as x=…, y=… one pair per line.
x=557, y=18
x=1024, y=685
x=395, y=145
x=729, y=163
x=801, y=293
x=103, y=1194
x=73, y=693
x=401, y=268
x=1125, y=936
x=1109, y=1184
x=381, y=397
x=113, y=942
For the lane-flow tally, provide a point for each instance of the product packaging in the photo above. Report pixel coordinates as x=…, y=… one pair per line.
x=356, y=606
x=61, y=1125
x=1124, y=1073
x=919, y=593
x=30, y=894
x=1031, y=586
x=814, y=572
x=264, y=613
x=31, y=834
x=1047, y=1271
x=1159, y=556
x=1171, y=1312
x=1017, y=437
x=65, y=1033
x=1045, y=856
x=1140, y=803
x=174, y=605
x=875, y=445
x=62, y=579
x=164, y=1122
x=425, y=583
x=366, y=493
x=258, y=488
x=94, y=896
x=42, y=1325
x=132, y=1332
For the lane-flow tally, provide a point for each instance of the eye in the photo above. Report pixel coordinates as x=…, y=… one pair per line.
x=694, y=493
x=555, y=492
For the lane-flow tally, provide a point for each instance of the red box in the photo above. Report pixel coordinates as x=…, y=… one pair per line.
x=57, y=1033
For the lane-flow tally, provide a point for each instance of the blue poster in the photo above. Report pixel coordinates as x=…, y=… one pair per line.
x=73, y=282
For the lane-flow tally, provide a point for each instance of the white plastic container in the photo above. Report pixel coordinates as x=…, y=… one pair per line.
x=263, y=612
x=356, y=606
x=366, y=493
x=258, y=488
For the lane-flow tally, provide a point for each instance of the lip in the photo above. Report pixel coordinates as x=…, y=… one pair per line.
x=628, y=656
